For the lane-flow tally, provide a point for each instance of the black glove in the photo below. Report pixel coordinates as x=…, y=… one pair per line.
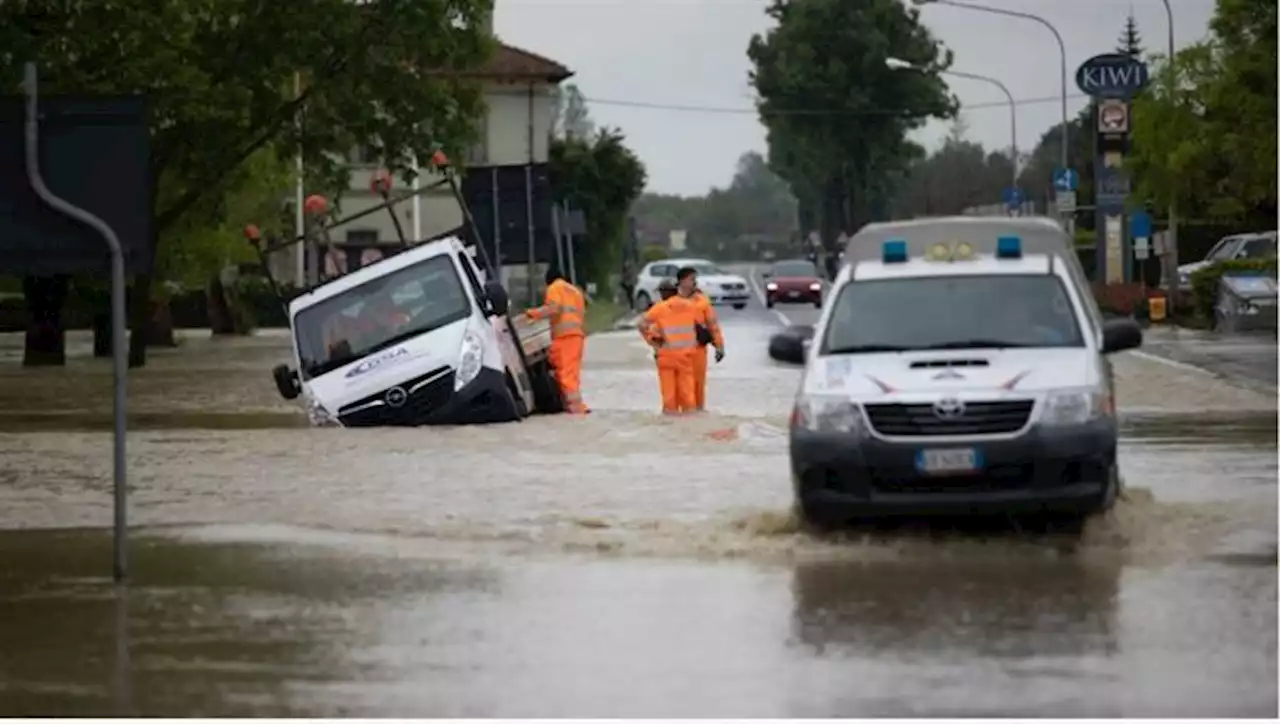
x=719, y=353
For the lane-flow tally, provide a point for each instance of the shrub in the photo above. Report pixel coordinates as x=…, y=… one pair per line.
x=653, y=252
x=1204, y=283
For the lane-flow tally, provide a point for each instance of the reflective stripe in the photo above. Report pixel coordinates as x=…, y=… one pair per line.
x=569, y=309
x=679, y=329
x=680, y=344
x=564, y=327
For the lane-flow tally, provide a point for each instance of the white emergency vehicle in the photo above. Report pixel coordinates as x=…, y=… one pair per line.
x=959, y=367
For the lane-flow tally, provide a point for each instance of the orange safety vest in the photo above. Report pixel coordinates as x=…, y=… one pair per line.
x=564, y=304
x=709, y=317
x=674, y=320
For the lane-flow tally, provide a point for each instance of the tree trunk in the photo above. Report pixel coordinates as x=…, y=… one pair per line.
x=45, y=343
x=102, y=334
x=160, y=325
x=221, y=320
x=139, y=318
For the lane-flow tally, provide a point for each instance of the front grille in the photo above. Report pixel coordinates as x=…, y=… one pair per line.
x=978, y=418
x=426, y=394
x=733, y=287
x=994, y=479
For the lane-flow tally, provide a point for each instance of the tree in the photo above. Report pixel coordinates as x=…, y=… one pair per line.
x=929, y=186
x=601, y=177
x=1204, y=133
x=218, y=75
x=837, y=115
x=1036, y=176
x=570, y=116
x=1130, y=41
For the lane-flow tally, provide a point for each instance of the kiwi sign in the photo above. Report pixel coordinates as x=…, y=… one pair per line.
x=1112, y=75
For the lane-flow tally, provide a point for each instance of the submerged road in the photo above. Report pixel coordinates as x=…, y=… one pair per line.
x=621, y=564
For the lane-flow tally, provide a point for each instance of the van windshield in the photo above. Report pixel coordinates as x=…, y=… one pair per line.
x=964, y=312
x=378, y=314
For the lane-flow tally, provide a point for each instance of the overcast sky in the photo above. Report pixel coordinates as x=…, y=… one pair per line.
x=634, y=56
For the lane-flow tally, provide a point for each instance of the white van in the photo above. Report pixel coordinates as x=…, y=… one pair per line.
x=418, y=338
x=959, y=367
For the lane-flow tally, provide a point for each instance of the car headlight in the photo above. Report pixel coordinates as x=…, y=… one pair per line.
x=319, y=415
x=1184, y=278
x=815, y=287
x=771, y=286
x=470, y=358
x=1076, y=407
x=827, y=413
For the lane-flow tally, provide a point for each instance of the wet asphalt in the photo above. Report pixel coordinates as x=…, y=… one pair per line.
x=616, y=565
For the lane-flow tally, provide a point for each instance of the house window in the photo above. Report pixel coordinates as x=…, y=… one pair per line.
x=362, y=237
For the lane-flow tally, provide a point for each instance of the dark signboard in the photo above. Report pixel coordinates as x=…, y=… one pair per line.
x=95, y=153
x=1111, y=188
x=504, y=187
x=1112, y=75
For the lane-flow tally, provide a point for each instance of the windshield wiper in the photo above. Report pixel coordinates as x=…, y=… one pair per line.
x=867, y=349
x=974, y=344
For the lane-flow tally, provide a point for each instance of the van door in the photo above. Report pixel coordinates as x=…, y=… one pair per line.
x=505, y=335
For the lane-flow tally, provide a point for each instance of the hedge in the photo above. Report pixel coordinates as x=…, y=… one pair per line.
x=1204, y=283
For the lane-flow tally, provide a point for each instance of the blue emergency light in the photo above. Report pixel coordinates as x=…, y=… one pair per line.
x=1009, y=247
x=895, y=252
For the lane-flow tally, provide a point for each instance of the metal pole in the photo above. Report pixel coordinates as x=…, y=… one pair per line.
x=568, y=242
x=497, y=228
x=555, y=233
x=120, y=567
x=299, y=217
x=528, y=214
x=1171, y=240
x=417, y=203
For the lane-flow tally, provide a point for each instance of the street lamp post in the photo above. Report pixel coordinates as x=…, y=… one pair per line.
x=897, y=64
x=1172, y=233
x=1062, y=51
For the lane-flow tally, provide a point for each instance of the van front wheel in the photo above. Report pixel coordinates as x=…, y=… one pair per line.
x=546, y=391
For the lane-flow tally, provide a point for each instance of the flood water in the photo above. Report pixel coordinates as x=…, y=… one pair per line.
x=621, y=564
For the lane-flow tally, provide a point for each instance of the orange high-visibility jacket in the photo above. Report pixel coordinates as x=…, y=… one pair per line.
x=709, y=317
x=673, y=320
x=565, y=305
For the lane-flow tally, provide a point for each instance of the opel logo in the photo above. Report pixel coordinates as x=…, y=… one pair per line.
x=948, y=408
x=396, y=396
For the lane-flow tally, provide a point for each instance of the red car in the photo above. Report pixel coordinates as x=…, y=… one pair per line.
x=794, y=280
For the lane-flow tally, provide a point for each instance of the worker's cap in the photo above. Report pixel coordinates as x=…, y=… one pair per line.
x=667, y=285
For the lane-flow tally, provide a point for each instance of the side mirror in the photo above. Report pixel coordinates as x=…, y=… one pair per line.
x=287, y=383
x=1120, y=334
x=499, y=302
x=791, y=344
x=766, y=275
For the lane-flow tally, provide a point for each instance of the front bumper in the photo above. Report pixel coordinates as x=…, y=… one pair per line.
x=486, y=399
x=1059, y=471
x=729, y=296
x=799, y=296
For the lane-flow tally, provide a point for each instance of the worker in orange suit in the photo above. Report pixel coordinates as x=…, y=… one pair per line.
x=709, y=333
x=669, y=327
x=564, y=304
x=651, y=335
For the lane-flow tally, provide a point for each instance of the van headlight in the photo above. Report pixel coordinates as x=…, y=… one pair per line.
x=319, y=415
x=1076, y=407
x=470, y=359
x=827, y=413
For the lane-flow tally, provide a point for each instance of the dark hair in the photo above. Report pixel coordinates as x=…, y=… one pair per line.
x=553, y=274
x=685, y=272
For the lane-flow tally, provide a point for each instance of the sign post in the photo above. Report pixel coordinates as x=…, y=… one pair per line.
x=1065, y=183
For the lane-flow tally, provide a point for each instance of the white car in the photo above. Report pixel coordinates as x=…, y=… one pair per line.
x=1238, y=246
x=720, y=286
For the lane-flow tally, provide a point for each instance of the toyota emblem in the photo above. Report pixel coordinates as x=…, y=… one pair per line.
x=948, y=408
x=396, y=396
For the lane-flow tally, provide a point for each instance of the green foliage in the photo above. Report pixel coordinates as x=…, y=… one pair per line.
x=1037, y=173
x=757, y=204
x=1130, y=41
x=601, y=177
x=837, y=115
x=219, y=78
x=1204, y=133
x=653, y=252
x=929, y=185
x=1204, y=282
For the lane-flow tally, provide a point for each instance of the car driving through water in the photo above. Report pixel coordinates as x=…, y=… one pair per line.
x=960, y=367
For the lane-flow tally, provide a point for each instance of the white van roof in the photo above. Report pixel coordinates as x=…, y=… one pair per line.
x=1039, y=235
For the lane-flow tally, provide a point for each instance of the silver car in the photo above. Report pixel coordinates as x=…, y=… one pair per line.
x=1255, y=245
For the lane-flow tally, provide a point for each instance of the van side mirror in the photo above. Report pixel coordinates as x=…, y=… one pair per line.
x=499, y=302
x=1120, y=334
x=791, y=344
x=287, y=383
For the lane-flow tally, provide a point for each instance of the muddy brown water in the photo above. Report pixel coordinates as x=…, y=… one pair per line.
x=617, y=565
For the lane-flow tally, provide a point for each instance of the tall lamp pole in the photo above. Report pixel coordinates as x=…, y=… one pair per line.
x=1172, y=233
x=898, y=64
x=1062, y=52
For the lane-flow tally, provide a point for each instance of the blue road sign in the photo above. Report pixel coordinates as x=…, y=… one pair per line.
x=1013, y=197
x=1140, y=225
x=1065, y=179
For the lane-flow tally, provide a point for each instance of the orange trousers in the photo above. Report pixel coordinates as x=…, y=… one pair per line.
x=565, y=356
x=675, y=375
x=700, y=377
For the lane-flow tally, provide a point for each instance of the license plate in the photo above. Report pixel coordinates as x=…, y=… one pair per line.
x=948, y=461
x=793, y=295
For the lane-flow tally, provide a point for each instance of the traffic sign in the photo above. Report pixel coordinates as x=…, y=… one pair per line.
x=1065, y=201
x=1140, y=225
x=1065, y=179
x=1013, y=197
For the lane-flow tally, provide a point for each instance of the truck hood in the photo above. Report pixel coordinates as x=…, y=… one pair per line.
x=386, y=368
x=928, y=373
x=720, y=279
